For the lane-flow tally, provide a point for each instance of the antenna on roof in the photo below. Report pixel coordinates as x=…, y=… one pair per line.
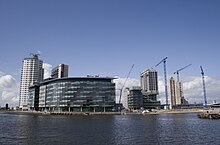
x=35, y=55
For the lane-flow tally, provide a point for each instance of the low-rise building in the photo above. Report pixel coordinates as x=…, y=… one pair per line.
x=77, y=94
x=135, y=98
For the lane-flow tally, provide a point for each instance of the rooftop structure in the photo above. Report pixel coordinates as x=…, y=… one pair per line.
x=60, y=71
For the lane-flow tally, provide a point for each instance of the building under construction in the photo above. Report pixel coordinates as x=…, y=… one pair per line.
x=176, y=94
x=176, y=90
x=149, y=89
x=146, y=95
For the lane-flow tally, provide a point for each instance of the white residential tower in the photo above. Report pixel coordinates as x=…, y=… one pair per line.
x=32, y=72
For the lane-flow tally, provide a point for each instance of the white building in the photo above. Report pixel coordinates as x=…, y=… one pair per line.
x=176, y=93
x=172, y=92
x=60, y=71
x=149, y=82
x=179, y=92
x=126, y=95
x=31, y=73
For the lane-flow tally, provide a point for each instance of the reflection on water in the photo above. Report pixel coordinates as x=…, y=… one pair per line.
x=107, y=130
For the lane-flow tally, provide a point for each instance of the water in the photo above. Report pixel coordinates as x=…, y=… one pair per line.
x=164, y=129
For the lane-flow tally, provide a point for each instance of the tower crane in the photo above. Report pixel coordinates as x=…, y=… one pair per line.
x=177, y=72
x=125, y=83
x=203, y=82
x=165, y=78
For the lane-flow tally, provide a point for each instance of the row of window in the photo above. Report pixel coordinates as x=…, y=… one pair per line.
x=81, y=93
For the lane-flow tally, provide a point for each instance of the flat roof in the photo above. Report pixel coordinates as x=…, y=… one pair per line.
x=77, y=79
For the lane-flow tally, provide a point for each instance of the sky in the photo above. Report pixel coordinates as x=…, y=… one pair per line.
x=105, y=38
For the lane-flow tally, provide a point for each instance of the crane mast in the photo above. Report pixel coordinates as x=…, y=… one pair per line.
x=165, y=79
x=177, y=72
x=125, y=83
x=204, y=89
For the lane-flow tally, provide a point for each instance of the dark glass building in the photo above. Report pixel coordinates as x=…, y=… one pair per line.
x=33, y=97
x=77, y=94
x=135, y=98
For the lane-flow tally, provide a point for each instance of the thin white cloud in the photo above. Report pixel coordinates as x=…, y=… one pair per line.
x=47, y=70
x=7, y=81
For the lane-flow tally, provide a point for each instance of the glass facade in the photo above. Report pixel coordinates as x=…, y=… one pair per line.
x=33, y=97
x=77, y=94
x=135, y=98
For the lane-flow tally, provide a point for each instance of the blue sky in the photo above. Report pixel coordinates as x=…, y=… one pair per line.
x=107, y=37
x=101, y=37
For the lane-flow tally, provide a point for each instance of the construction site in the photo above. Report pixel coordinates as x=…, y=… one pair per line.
x=145, y=97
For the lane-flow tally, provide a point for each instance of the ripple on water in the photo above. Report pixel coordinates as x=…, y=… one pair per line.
x=105, y=130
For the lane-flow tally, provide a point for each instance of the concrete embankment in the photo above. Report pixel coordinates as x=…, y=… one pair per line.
x=155, y=112
x=84, y=113
x=179, y=111
x=24, y=112
x=210, y=114
x=60, y=113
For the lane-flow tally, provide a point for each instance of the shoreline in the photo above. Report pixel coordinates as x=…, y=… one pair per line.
x=182, y=111
x=60, y=113
x=157, y=112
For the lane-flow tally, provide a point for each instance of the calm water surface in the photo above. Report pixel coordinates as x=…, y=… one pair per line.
x=108, y=130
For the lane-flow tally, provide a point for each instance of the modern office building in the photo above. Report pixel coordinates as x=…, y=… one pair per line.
x=149, y=87
x=33, y=97
x=60, y=71
x=172, y=92
x=135, y=98
x=77, y=94
x=32, y=72
x=149, y=82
